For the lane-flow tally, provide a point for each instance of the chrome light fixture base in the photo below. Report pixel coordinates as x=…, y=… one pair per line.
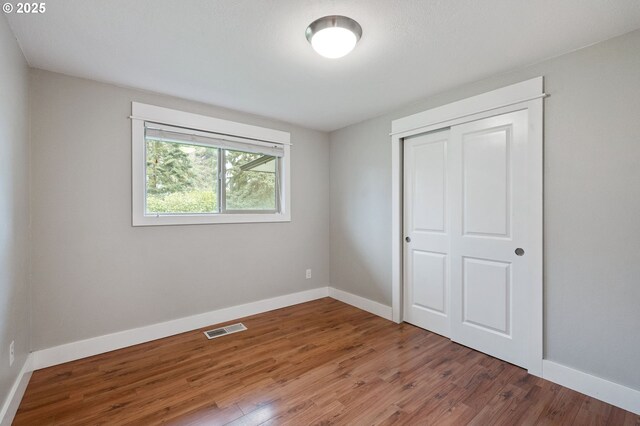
x=338, y=35
x=333, y=21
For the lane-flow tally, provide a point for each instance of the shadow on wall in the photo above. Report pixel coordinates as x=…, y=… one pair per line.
x=14, y=318
x=360, y=257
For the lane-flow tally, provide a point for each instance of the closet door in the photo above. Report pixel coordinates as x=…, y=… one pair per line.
x=427, y=232
x=489, y=194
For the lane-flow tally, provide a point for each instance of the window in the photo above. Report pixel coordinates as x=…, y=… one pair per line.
x=194, y=172
x=191, y=169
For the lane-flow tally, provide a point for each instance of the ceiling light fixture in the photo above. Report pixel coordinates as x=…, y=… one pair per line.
x=333, y=36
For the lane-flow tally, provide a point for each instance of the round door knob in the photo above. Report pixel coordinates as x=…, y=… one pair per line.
x=408, y=239
x=519, y=252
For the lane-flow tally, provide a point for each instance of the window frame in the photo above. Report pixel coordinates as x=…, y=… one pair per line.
x=141, y=113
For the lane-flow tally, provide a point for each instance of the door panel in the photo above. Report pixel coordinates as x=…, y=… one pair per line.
x=486, y=293
x=486, y=192
x=429, y=272
x=426, y=295
x=489, y=282
x=428, y=186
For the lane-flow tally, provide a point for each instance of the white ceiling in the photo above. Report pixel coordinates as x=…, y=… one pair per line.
x=252, y=55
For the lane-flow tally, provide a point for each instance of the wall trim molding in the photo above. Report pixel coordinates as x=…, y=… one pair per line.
x=360, y=302
x=109, y=342
x=593, y=386
x=11, y=404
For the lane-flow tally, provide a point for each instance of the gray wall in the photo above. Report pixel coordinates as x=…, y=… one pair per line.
x=14, y=207
x=591, y=212
x=93, y=273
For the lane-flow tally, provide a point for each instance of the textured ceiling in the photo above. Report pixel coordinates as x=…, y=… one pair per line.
x=252, y=55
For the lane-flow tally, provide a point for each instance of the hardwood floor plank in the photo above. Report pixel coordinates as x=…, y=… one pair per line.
x=322, y=362
x=563, y=409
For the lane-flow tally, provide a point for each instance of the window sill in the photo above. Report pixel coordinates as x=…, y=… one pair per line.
x=209, y=219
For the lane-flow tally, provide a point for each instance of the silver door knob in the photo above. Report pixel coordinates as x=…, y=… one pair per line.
x=407, y=239
x=519, y=252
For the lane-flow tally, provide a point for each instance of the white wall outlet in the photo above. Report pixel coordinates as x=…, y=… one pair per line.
x=308, y=273
x=12, y=353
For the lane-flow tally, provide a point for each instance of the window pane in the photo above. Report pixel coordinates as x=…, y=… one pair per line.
x=250, y=181
x=181, y=178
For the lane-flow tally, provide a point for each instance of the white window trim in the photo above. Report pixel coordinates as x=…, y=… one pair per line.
x=143, y=112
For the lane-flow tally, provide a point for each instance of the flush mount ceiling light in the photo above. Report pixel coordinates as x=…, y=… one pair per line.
x=333, y=36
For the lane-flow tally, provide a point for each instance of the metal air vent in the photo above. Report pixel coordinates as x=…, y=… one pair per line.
x=223, y=331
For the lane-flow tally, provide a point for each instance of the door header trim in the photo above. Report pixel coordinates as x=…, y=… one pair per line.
x=506, y=96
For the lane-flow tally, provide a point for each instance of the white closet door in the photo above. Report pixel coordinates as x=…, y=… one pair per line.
x=427, y=231
x=489, y=193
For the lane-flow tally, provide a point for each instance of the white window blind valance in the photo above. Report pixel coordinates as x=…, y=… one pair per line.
x=168, y=133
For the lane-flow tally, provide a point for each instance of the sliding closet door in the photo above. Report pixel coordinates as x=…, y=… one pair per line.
x=490, y=201
x=427, y=232
x=466, y=210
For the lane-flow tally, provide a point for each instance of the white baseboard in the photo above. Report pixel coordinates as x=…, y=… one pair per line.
x=360, y=302
x=84, y=348
x=97, y=345
x=11, y=404
x=110, y=342
x=604, y=390
x=612, y=393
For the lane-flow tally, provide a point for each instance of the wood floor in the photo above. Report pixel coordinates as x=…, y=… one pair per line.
x=321, y=362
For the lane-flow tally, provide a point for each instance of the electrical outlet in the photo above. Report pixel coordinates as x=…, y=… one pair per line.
x=308, y=273
x=12, y=353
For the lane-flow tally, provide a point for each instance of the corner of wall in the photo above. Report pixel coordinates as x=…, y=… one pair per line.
x=12, y=403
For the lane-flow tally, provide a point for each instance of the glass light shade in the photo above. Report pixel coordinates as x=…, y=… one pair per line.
x=334, y=42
